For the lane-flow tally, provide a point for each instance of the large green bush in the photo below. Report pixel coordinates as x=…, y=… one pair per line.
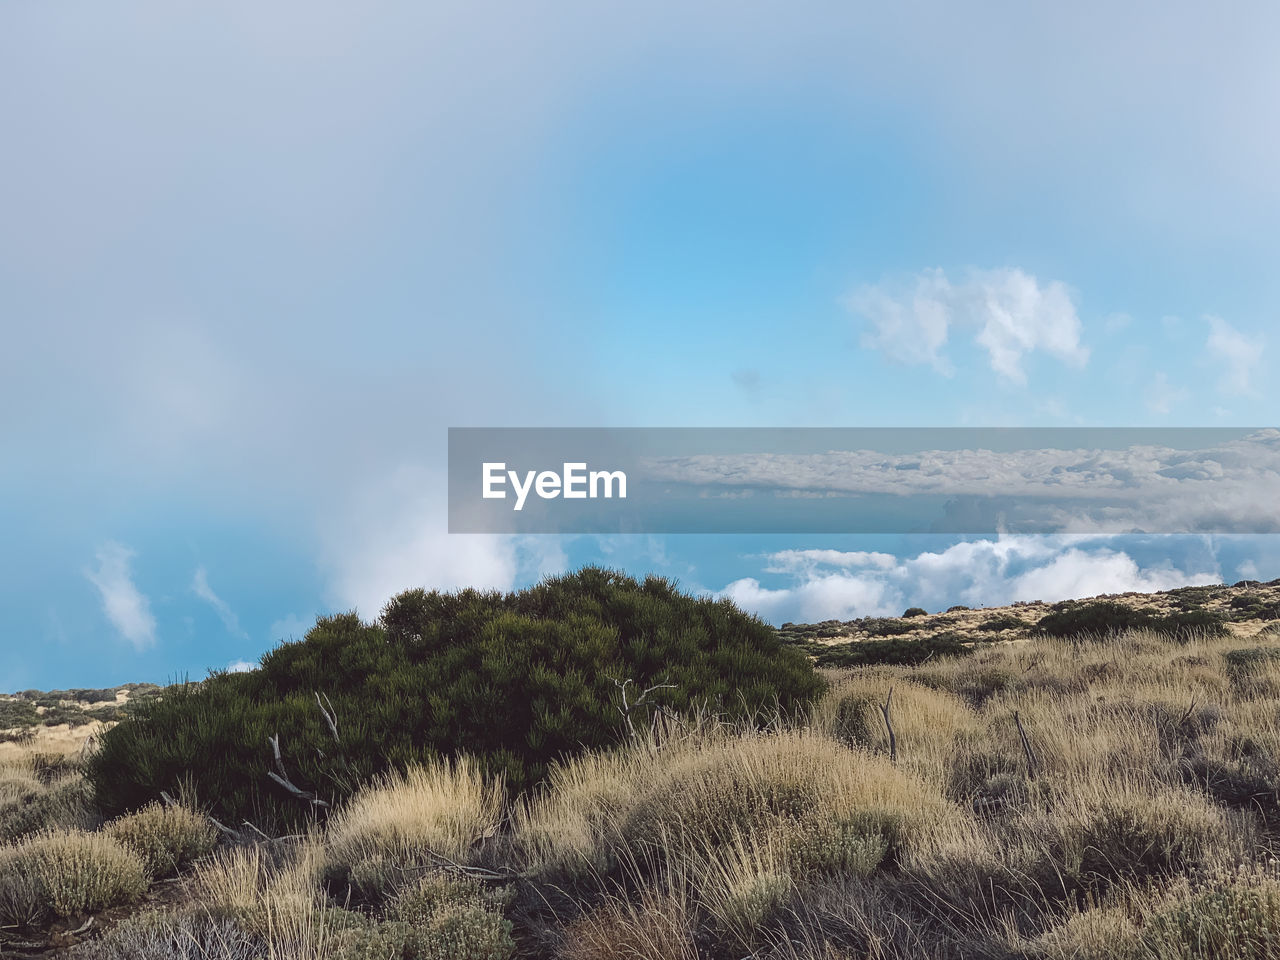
x=515, y=680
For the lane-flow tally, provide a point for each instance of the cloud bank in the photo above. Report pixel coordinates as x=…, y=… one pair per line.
x=829, y=584
x=1225, y=487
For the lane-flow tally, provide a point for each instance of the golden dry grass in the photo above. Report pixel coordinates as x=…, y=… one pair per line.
x=424, y=816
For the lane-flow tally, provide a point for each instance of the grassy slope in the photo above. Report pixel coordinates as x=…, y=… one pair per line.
x=1153, y=778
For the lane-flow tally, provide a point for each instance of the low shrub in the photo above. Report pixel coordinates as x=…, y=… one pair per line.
x=18, y=713
x=1103, y=618
x=437, y=889
x=915, y=612
x=744, y=883
x=454, y=932
x=167, y=838
x=884, y=626
x=1243, y=661
x=860, y=653
x=64, y=873
x=1003, y=622
x=188, y=935
x=1227, y=918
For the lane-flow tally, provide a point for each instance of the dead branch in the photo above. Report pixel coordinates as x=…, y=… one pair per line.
x=1032, y=762
x=888, y=724
x=270, y=839
x=640, y=701
x=330, y=716
x=281, y=777
x=235, y=835
x=479, y=873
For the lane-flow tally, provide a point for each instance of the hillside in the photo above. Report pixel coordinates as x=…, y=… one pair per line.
x=1017, y=792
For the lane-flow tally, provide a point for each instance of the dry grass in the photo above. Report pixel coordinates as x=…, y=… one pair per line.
x=40, y=791
x=403, y=823
x=656, y=927
x=263, y=887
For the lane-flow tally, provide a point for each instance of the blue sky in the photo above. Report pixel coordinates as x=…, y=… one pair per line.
x=255, y=260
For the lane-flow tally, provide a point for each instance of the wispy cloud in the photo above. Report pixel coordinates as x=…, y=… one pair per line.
x=1238, y=353
x=124, y=605
x=200, y=587
x=1010, y=313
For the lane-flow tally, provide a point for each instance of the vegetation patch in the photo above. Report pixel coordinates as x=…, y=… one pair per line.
x=1101, y=618
x=869, y=652
x=514, y=680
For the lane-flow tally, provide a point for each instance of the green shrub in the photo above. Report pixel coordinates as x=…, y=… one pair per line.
x=1003, y=622
x=867, y=652
x=915, y=612
x=440, y=917
x=455, y=932
x=167, y=838
x=1107, y=617
x=514, y=680
x=417, y=902
x=1246, y=660
x=18, y=713
x=884, y=626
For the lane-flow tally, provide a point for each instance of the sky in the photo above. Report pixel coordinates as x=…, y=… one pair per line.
x=255, y=260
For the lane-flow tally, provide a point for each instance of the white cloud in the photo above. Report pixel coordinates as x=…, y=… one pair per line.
x=910, y=327
x=1161, y=396
x=241, y=666
x=125, y=606
x=1238, y=353
x=200, y=587
x=977, y=573
x=1010, y=312
x=395, y=537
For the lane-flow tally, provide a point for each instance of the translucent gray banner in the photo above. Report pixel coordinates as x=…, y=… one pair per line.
x=864, y=480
